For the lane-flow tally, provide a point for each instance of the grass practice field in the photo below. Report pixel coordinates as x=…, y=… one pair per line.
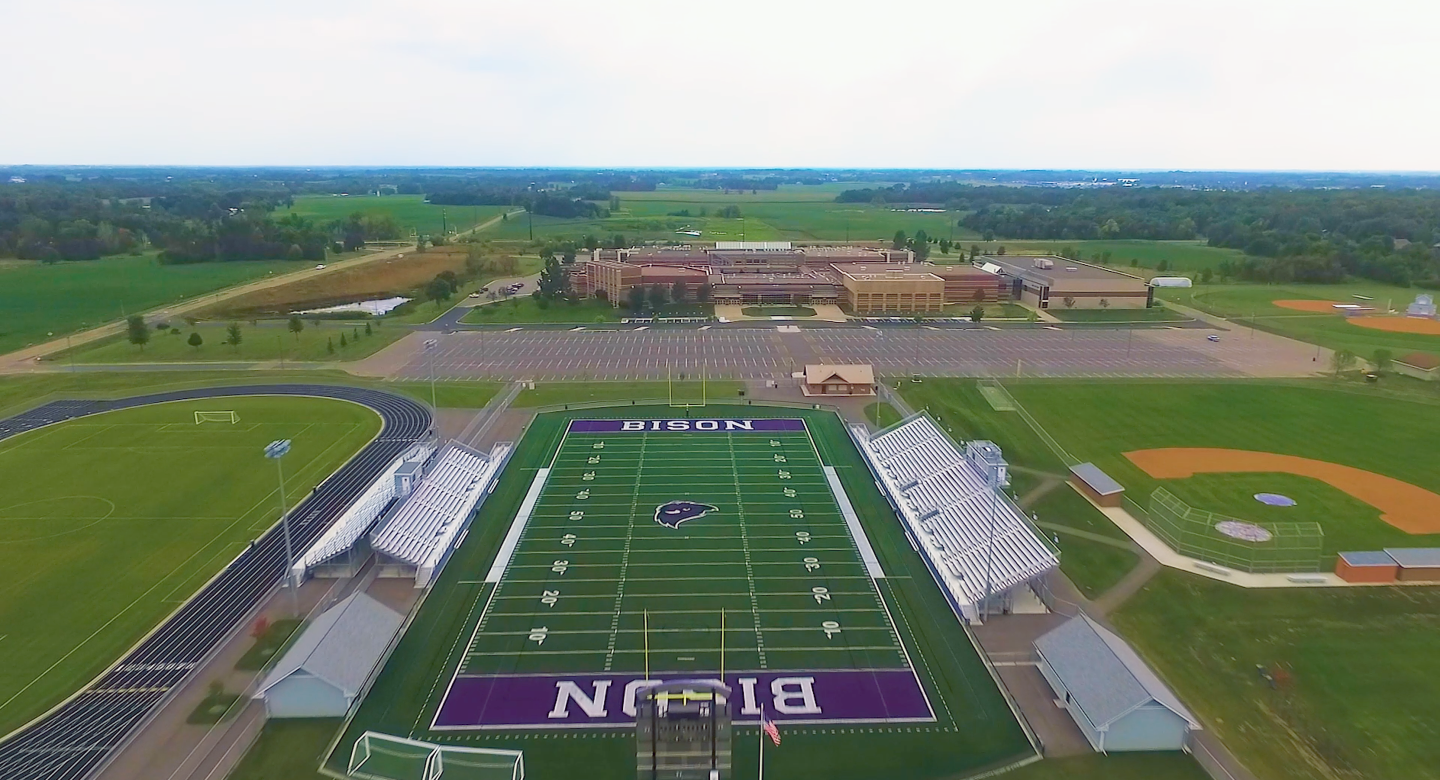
x=593, y=560
x=411, y=212
x=109, y=523
x=1185, y=258
x=38, y=299
x=1247, y=304
x=317, y=343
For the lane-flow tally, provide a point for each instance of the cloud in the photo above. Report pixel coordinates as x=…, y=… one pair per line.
x=1104, y=83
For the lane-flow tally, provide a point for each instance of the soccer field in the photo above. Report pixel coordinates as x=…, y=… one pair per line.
x=642, y=544
x=110, y=522
x=599, y=542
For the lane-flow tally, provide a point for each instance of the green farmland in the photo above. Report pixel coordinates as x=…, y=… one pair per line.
x=109, y=522
x=37, y=299
x=411, y=212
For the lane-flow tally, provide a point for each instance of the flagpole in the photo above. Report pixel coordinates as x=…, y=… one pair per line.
x=762, y=742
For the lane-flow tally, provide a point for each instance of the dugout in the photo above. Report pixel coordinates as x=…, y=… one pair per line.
x=1096, y=485
x=1416, y=564
x=1116, y=700
x=1370, y=566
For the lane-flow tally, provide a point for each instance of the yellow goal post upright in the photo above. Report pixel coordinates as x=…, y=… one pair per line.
x=220, y=417
x=670, y=386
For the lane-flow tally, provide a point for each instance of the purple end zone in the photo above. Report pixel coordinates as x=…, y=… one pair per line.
x=599, y=700
x=738, y=425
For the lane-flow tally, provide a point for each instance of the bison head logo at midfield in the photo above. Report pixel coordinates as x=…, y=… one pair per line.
x=672, y=513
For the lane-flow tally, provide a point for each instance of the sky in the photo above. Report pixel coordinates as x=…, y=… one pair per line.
x=1080, y=84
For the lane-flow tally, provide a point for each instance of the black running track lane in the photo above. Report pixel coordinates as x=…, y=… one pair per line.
x=78, y=738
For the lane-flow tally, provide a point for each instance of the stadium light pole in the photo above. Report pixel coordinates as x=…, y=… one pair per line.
x=276, y=450
x=990, y=549
x=430, y=345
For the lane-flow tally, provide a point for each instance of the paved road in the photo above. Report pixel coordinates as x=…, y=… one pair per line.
x=754, y=353
x=77, y=738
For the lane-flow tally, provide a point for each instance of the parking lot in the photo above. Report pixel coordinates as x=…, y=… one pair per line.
x=762, y=353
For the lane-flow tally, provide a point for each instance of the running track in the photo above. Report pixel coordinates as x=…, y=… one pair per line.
x=78, y=738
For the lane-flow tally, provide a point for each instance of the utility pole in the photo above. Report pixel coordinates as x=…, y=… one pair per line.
x=530, y=216
x=430, y=345
x=276, y=450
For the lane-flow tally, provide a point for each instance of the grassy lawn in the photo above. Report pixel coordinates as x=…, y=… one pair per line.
x=288, y=749
x=778, y=311
x=1004, y=311
x=1364, y=695
x=218, y=705
x=39, y=299
x=961, y=409
x=1247, y=304
x=267, y=645
x=1182, y=258
x=449, y=395
x=522, y=309
x=268, y=341
x=1386, y=434
x=1152, y=314
x=410, y=211
x=556, y=393
x=1115, y=766
x=1093, y=565
x=881, y=414
x=109, y=522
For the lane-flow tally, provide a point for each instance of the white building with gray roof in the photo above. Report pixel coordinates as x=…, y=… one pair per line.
x=324, y=671
x=1116, y=700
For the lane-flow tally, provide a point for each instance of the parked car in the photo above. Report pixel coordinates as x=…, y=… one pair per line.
x=320, y=267
x=1212, y=337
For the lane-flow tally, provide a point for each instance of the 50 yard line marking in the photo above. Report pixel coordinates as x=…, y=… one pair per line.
x=625, y=557
x=745, y=545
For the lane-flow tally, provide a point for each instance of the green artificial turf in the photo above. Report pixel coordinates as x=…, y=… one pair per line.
x=270, y=340
x=1100, y=421
x=975, y=729
x=38, y=299
x=1363, y=695
x=108, y=523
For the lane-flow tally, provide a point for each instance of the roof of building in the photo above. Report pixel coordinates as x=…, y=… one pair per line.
x=1415, y=557
x=873, y=271
x=1420, y=360
x=762, y=246
x=342, y=646
x=1367, y=558
x=1106, y=679
x=1096, y=480
x=854, y=374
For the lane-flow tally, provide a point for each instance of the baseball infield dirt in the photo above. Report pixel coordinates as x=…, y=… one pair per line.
x=1319, y=307
x=1410, y=508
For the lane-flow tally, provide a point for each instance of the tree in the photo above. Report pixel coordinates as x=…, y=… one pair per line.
x=232, y=335
x=296, y=325
x=195, y=340
x=136, y=331
x=1382, y=359
x=1341, y=361
x=899, y=242
x=1104, y=303
x=1000, y=250
x=920, y=245
x=944, y=246
x=977, y=313
x=438, y=290
x=974, y=251
x=330, y=346
x=635, y=298
x=658, y=296
x=1206, y=275
x=677, y=291
x=702, y=294
x=1068, y=301
x=343, y=342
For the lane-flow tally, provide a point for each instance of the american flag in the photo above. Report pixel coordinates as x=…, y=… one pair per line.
x=770, y=730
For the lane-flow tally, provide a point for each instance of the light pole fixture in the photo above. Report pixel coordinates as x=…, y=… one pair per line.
x=430, y=345
x=276, y=450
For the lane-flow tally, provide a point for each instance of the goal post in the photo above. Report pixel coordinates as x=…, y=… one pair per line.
x=220, y=417
x=378, y=756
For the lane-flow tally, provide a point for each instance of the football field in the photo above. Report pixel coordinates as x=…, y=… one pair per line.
x=659, y=553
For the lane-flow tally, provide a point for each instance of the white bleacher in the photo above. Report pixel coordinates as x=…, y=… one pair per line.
x=962, y=525
x=359, y=516
x=421, y=532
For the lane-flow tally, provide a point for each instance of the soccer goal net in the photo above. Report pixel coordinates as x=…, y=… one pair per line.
x=383, y=757
x=216, y=417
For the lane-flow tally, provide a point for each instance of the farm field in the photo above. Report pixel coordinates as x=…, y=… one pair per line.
x=727, y=474
x=269, y=341
x=410, y=211
x=794, y=213
x=1245, y=304
x=108, y=523
x=1364, y=681
x=1378, y=433
x=39, y=299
